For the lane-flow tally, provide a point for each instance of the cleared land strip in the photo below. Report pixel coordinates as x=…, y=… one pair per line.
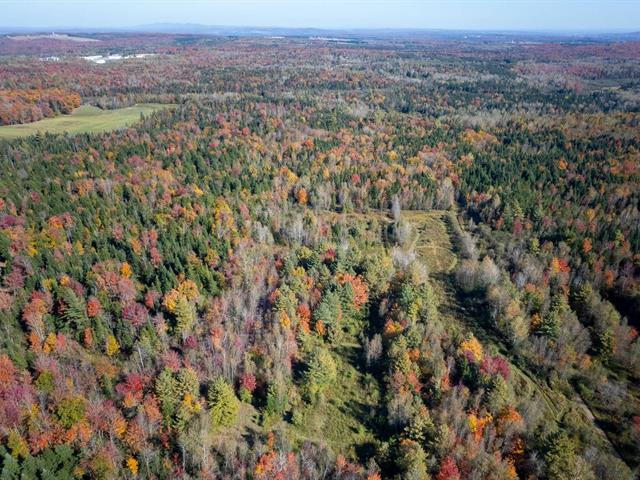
x=436, y=250
x=85, y=119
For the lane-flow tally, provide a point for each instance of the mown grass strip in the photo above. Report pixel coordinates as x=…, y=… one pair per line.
x=86, y=119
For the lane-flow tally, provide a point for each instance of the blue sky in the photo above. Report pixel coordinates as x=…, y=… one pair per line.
x=575, y=15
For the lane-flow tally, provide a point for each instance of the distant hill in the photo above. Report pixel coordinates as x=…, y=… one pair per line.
x=257, y=31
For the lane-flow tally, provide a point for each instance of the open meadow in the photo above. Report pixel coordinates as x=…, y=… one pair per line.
x=85, y=119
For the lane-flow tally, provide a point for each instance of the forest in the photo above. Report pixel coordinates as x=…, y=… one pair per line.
x=372, y=259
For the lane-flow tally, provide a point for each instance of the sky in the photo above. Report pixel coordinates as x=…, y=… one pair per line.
x=529, y=15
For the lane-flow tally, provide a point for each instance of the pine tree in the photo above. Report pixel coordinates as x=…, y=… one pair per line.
x=563, y=463
x=10, y=468
x=277, y=401
x=167, y=393
x=223, y=404
x=179, y=396
x=75, y=312
x=329, y=313
x=321, y=372
x=185, y=314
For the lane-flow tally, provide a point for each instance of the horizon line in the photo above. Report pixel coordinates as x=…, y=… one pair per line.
x=134, y=28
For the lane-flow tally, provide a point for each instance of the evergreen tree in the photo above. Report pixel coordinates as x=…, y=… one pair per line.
x=223, y=403
x=320, y=372
x=185, y=313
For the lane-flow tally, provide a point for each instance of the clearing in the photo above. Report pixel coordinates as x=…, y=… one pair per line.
x=85, y=119
x=53, y=36
x=347, y=419
x=434, y=243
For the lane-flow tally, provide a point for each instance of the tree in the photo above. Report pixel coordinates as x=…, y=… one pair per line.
x=70, y=411
x=329, y=313
x=277, y=401
x=223, y=404
x=412, y=460
x=185, y=314
x=489, y=273
x=132, y=465
x=58, y=463
x=471, y=349
x=167, y=392
x=373, y=349
x=178, y=394
x=563, y=463
x=112, y=347
x=17, y=445
x=302, y=196
x=320, y=372
x=448, y=470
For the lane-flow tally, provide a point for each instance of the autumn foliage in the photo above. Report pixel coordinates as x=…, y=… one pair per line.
x=24, y=106
x=400, y=258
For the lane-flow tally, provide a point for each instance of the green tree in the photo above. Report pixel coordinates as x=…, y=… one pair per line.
x=178, y=395
x=70, y=411
x=223, y=403
x=329, y=312
x=74, y=314
x=185, y=313
x=277, y=401
x=320, y=373
x=412, y=460
x=51, y=464
x=563, y=463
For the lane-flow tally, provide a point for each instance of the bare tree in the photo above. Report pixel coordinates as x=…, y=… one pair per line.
x=469, y=249
x=445, y=194
x=396, y=210
x=489, y=273
x=373, y=349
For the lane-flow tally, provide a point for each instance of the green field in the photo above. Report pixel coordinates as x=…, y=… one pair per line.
x=86, y=119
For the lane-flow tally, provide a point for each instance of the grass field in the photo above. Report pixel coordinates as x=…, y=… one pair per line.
x=86, y=119
x=431, y=240
x=345, y=418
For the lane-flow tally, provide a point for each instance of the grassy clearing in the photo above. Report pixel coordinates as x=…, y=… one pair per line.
x=344, y=419
x=85, y=119
x=347, y=419
x=431, y=240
